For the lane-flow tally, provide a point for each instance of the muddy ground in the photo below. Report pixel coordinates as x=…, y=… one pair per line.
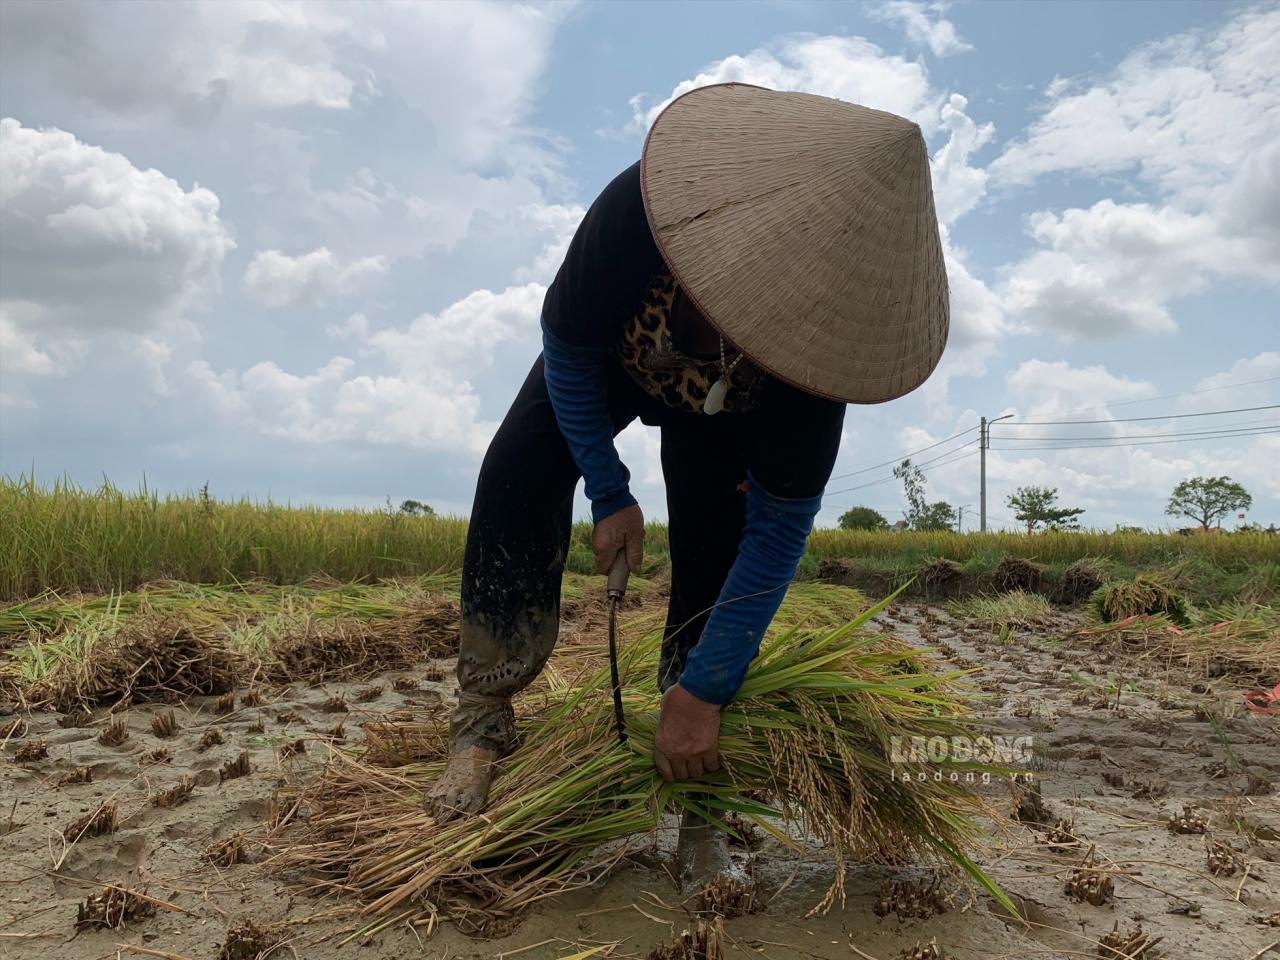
x=1121, y=744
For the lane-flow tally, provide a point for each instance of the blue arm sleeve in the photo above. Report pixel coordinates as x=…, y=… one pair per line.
x=773, y=541
x=576, y=383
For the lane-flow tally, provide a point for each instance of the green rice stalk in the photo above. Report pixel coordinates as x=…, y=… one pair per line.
x=811, y=727
x=1015, y=609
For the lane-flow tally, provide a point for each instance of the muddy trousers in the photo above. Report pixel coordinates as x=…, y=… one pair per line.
x=518, y=542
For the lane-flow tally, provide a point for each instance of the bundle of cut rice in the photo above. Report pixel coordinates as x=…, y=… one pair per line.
x=812, y=729
x=1240, y=641
x=1144, y=594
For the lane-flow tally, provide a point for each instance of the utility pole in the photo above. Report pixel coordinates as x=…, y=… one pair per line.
x=984, y=440
x=960, y=516
x=982, y=474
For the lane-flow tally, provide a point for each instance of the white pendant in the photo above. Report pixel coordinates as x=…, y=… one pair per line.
x=715, y=397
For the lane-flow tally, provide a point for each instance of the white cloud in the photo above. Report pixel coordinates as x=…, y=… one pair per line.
x=425, y=107
x=640, y=448
x=153, y=357
x=1181, y=112
x=412, y=387
x=1051, y=389
x=1131, y=484
x=923, y=24
x=356, y=326
x=1197, y=118
x=96, y=242
x=279, y=280
x=976, y=314
x=190, y=59
x=1119, y=483
x=561, y=222
x=1251, y=381
x=1113, y=269
x=847, y=68
x=19, y=351
x=196, y=61
x=957, y=185
x=977, y=324
x=464, y=334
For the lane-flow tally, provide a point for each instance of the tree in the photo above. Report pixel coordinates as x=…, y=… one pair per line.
x=1207, y=499
x=938, y=515
x=416, y=508
x=922, y=515
x=862, y=518
x=1039, y=505
x=912, y=488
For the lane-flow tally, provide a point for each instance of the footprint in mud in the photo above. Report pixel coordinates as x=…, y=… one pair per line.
x=188, y=829
x=427, y=697
x=98, y=863
x=1032, y=912
x=256, y=809
x=73, y=735
x=105, y=769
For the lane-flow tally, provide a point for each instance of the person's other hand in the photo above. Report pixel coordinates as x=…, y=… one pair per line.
x=687, y=743
x=622, y=530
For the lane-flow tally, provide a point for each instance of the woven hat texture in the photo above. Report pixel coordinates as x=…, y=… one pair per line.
x=804, y=229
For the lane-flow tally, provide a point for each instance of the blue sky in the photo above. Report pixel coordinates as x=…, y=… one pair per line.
x=298, y=250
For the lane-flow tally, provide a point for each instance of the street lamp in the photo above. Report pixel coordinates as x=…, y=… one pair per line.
x=984, y=440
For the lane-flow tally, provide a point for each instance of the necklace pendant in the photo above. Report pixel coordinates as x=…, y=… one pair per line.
x=715, y=397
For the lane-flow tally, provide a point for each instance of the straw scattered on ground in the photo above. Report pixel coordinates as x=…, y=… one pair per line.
x=812, y=727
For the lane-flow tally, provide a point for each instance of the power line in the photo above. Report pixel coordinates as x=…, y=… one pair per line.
x=1141, y=436
x=943, y=456
x=1170, y=416
x=1109, y=446
x=889, y=479
x=1175, y=396
x=899, y=459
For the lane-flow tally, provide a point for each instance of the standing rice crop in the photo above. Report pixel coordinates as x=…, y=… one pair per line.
x=67, y=538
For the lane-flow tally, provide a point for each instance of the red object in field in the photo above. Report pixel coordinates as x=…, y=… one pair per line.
x=1264, y=701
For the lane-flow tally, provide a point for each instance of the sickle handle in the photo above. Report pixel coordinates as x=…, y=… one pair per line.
x=618, y=574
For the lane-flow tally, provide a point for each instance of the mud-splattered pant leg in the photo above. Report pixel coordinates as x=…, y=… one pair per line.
x=704, y=464
x=517, y=543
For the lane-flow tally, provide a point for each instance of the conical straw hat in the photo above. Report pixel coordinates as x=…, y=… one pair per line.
x=803, y=228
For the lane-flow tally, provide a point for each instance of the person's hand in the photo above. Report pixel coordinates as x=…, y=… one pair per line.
x=688, y=738
x=623, y=530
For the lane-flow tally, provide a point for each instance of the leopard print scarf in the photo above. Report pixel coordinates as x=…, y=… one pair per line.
x=649, y=354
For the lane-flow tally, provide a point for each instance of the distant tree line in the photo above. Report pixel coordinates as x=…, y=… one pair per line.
x=1207, y=500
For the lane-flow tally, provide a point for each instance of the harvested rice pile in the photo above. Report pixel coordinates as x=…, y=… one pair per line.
x=1018, y=573
x=1243, y=642
x=175, y=641
x=1081, y=580
x=940, y=572
x=352, y=648
x=811, y=727
x=1016, y=609
x=150, y=658
x=1144, y=594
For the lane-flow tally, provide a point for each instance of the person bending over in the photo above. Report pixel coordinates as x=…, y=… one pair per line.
x=772, y=257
